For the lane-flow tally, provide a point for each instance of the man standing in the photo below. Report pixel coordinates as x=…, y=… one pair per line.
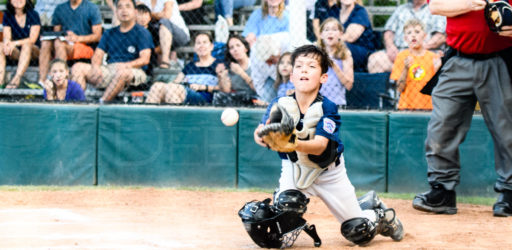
x=128, y=47
x=477, y=70
x=80, y=21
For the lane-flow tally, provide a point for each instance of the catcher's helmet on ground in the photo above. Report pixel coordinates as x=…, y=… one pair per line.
x=270, y=227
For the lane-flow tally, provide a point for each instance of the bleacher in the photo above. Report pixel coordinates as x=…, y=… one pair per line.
x=185, y=52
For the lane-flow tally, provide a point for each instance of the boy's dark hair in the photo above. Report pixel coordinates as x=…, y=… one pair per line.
x=28, y=6
x=143, y=8
x=314, y=51
x=228, y=56
x=133, y=2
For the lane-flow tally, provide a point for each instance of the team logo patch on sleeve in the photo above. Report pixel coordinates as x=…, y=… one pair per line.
x=329, y=125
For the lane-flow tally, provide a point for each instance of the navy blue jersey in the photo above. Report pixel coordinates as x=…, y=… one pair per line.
x=328, y=126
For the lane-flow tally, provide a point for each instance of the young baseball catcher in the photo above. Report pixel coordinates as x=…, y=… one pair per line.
x=304, y=129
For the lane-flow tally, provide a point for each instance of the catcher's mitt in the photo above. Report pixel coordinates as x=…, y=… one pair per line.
x=498, y=13
x=279, y=134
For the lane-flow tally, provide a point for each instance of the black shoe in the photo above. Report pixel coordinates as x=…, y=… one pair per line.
x=503, y=207
x=437, y=200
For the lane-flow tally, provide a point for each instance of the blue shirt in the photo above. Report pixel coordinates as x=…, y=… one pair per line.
x=360, y=16
x=202, y=75
x=73, y=93
x=79, y=20
x=281, y=90
x=18, y=32
x=323, y=11
x=125, y=47
x=328, y=126
x=260, y=25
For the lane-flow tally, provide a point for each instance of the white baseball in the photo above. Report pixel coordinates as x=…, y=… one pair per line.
x=229, y=117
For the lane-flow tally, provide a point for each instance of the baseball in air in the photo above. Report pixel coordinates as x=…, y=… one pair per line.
x=229, y=117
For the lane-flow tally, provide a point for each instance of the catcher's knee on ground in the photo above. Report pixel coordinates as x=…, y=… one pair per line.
x=359, y=230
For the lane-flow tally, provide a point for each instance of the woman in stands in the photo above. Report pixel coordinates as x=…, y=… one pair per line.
x=21, y=38
x=358, y=32
x=173, y=30
x=236, y=78
x=341, y=73
x=196, y=83
x=58, y=87
x=268, y=32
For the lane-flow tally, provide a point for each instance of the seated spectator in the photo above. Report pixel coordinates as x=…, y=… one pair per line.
x=80, y=21
x=323, y=10
x=196, y=83
x=173, y=31
x=21, y=38
x=225, y=8
x=414, y=67
x=268, y=32
x=128, y=47
x=271, y=18
x=193, y=12
x=340, y=74
x=382, y=60
x=58, y=87
x=358, y=33
x=235, y=82
x=144, y=20
x=284, y=67
x=45, y=9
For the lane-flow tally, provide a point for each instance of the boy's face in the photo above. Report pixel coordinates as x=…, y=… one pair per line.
x=307, y=74
x=414, y=36
x=143, y=18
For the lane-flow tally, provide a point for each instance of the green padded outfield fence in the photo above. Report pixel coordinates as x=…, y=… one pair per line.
x=189, y=146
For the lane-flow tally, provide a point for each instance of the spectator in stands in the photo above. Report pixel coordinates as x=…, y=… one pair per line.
x=196, y=83
x=128, y=47
x=173, y=30
x=58, y=87
x=267, y=31
x=144, y=19
x=341, y=73
x=21, y=26
x=323, y=10
x=414, y=67
x=236, y=79
x=225, y=8
x=45, y=8
x=284, y=67
x=80, y=20
x=193, y=12
x=393, y=38
x=271, y=18
x=358, y=33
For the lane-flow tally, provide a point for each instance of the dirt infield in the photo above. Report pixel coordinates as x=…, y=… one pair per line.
x=151, y=218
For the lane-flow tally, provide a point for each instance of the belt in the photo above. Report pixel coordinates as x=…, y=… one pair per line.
x=479, y=57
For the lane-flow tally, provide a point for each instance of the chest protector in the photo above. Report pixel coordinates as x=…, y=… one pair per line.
x=305, y=171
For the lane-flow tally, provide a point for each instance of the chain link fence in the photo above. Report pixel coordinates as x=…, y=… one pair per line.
x=222, y=53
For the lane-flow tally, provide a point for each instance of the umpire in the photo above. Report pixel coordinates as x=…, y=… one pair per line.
x=476, y=71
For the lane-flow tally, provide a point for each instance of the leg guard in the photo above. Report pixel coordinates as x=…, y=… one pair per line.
x=387, y=222
x=359, y=230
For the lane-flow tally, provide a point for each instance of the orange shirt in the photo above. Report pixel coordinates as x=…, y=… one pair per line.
x=419, y=74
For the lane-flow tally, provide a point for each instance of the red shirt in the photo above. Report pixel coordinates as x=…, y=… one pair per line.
x=470, y=34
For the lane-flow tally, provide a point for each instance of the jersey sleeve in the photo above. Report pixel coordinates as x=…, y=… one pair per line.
x=329, y=125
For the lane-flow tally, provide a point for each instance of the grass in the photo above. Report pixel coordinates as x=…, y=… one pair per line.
x=476, y=200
